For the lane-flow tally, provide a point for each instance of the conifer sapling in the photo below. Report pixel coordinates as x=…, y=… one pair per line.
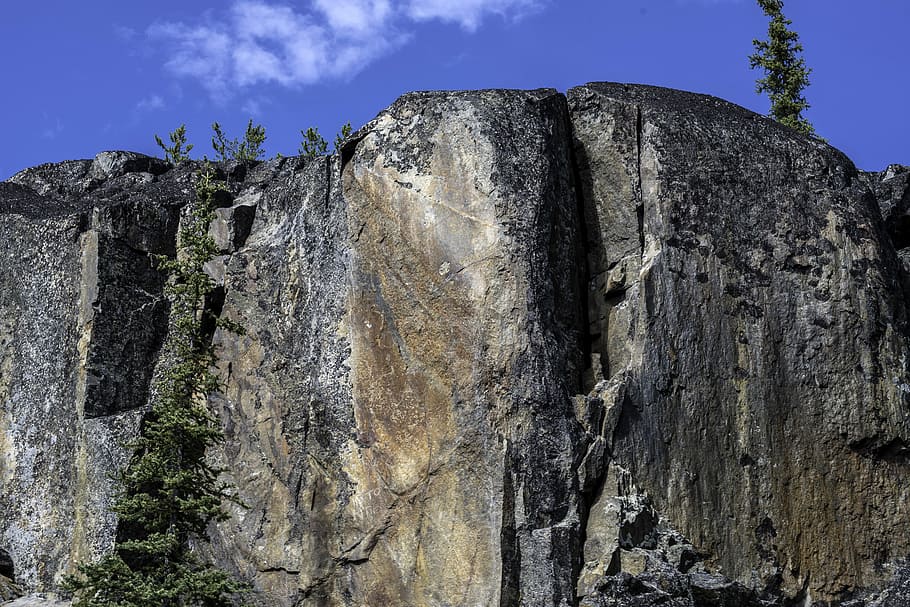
x=179, y=150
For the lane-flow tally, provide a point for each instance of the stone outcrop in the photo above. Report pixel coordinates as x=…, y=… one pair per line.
x=764, y=325
x=626, y=346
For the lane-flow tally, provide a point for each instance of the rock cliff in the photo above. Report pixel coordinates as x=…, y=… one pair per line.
x=624, y=346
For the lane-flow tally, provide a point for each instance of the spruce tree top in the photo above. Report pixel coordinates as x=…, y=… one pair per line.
x=786, y=74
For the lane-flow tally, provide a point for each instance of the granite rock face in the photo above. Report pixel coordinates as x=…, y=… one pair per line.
x=764, y=401
x=626, y=346
x=412, y=346
x=81, y=320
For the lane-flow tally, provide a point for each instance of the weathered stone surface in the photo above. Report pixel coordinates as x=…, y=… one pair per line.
x=286, y=404
x=892, y=190
x=624, y=347
x=430, y=452
x=81, y=319
x=62, y=179
x=8, y=589
x=763, y=335
x=232, y=225
x=464, y=313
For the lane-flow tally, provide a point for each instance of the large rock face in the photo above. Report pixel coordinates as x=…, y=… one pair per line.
x=627, y=346
x=81, y=319
x=759, y=327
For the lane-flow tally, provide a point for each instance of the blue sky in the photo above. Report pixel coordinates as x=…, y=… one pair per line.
x=81, y=77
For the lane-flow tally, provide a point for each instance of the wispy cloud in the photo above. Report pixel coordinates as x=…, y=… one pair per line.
x=254, y=107
x=155, y=102
x=201, y=52
x=469, y=13
x=354, y=17
x=259, y=42
x=124, y=33
x=53, y=131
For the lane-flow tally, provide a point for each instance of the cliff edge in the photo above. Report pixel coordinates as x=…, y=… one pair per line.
x=626, y=346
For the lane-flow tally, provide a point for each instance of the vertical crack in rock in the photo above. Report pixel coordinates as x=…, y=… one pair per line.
x=640, y=208
x=583, y=252
x=510, y=551
x=758, y=342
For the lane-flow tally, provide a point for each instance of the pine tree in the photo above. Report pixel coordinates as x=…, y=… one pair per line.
x=312, y=143
x=345, y=132
x=786, y=74
x=179, y=150
x=247, y=149
x=170, y=492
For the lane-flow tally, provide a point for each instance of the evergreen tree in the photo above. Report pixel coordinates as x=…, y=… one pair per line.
x=247, y=149
x=170, y=492
x=312, y=144
x=345, y=132
x=179, y=150
x=786, y=74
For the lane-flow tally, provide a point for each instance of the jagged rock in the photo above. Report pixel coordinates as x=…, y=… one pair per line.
x=624, y=347
x=892, y=190
x=61, y=179
x=108, y=165
x=765, y=336
x=232, y=225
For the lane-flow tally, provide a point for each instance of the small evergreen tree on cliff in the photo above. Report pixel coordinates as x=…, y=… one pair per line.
x=344, y=133
x=170, y=492
x=312, y=143
x=786, y=74
x=179, y=150
x=248, y=149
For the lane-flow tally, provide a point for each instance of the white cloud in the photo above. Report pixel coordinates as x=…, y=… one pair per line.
x=468, y=13
x=124, y=33
x=254, y=107
x=259, y=41
x=353, y=17
x=155, y=102
x=201, y=52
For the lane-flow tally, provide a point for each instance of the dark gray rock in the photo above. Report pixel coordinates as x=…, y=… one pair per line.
x=62, y=179
x=763, y=335
x=7, y=569
x=108, y=165
x=892, y=190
